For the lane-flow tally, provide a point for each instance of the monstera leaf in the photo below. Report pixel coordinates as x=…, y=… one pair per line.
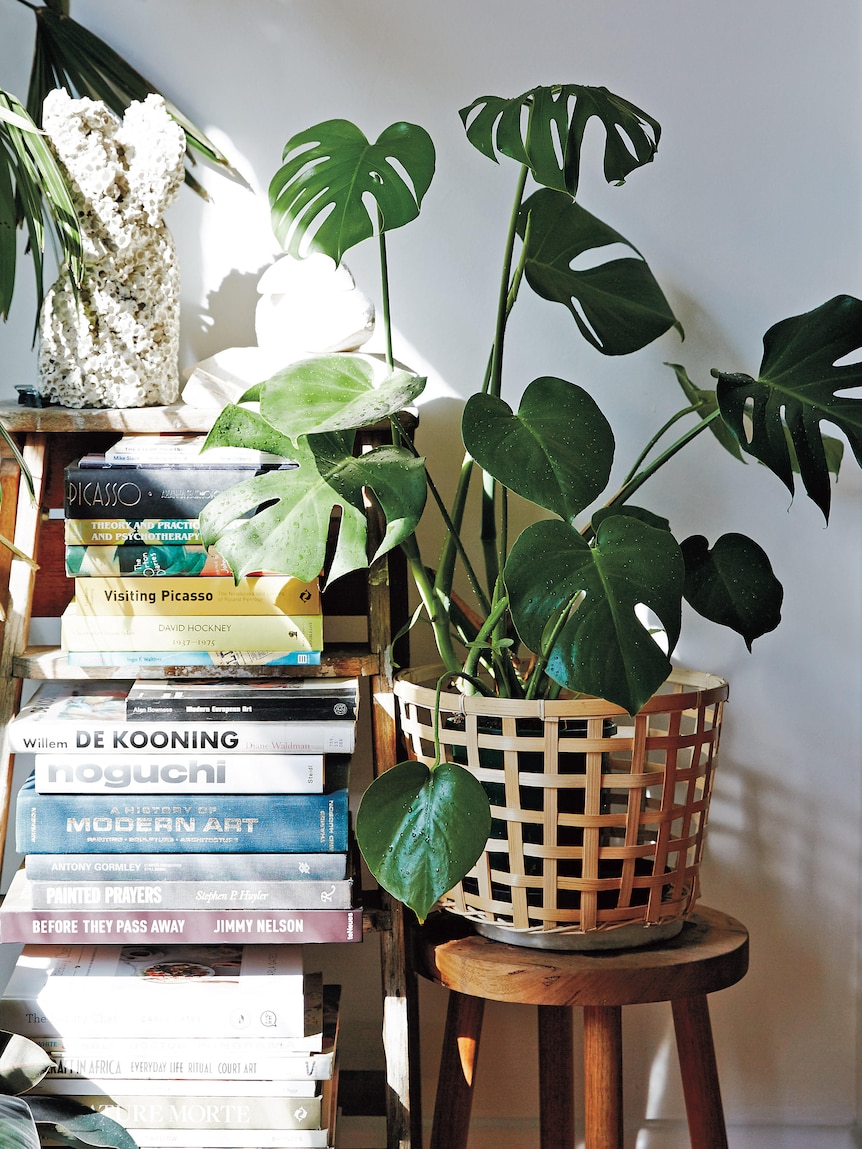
x=552, y=574
x=797, y=390
x=16, y=1122
x=421, y=830
x=550, y=137
x=334, y=393
x=732, y=584
x=289, y=533
x=318, y=196
x=77, y=1125
x=618, y=305
x=556, y=451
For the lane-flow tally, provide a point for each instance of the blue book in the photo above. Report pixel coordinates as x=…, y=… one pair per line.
x=171, y=823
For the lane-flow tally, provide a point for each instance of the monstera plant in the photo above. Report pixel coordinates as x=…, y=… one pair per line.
x=23, y=1064
x=575, y=601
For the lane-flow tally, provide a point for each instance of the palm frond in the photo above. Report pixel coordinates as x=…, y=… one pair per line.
x=33, y=188
x=69, y=55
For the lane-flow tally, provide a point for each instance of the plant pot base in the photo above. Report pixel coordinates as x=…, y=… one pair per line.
x=630, y=936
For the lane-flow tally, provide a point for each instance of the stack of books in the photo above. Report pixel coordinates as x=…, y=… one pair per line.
x=185, y=1046
x=147, y=592
x=185, y=812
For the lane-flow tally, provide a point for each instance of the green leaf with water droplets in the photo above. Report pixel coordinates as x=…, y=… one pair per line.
x=420, y=830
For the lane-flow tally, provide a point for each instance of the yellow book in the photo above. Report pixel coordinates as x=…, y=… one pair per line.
x=259, y=594
x=80, y=631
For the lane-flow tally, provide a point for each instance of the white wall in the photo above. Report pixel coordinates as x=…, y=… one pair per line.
x=749, y=214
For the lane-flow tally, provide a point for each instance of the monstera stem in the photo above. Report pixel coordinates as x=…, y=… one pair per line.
x=384, y=291
x=637, y=481
x=437, y=617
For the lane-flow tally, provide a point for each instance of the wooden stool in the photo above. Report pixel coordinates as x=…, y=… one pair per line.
x=709, y=954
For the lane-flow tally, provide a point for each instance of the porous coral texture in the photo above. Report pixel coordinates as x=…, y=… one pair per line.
x=116, y=345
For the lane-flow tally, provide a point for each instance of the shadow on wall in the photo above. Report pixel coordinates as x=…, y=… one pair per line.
x=225, y=320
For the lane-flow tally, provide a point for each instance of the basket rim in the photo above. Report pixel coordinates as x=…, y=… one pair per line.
x=687, y=689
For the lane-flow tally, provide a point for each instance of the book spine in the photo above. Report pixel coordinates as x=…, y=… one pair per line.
x=65, y=1084
x=205, y=1112
x=38, y=734
x=143, y=560
x=184, y=774
x=148, y=491
x=121, y=532
x=164, y=927
x=263, y=595
x=215, y=1061
x=226, y=632
x=249, y=707
x=191, y=895
x=171, y=658
x=110, y=823
x=226, y=1139
x=185, y=867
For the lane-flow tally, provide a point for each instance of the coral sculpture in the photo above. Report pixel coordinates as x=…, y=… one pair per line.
x=117, y=344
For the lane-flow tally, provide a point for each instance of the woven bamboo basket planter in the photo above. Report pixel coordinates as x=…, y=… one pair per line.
x=598, y=819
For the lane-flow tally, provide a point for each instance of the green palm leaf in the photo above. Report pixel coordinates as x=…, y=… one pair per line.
x=33, y=189
x=68, y=55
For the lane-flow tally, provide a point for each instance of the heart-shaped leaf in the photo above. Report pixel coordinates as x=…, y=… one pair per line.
x=334, y=393
x=603, y=648
x=732, y=584
x=544, y=129
x=288, y=535
x=318, y=196
x=797, y=390
x=618, y=305
x=420, y=831
x=556, y=451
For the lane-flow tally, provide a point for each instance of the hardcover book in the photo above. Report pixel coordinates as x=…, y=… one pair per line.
x=293, y=894
x=185, y=867
x=89, y=716
x=309, y=1056
x=204, y=773
x=205, y=1112
x=82, y=631
x=308, y=700
x=172, y=658
x=145, y=560
x=67, y=1085
x=151, y=490
x=226, y=1139
x=83, y=989
x=20, y=922
x=119, y=532
x=259, y=595
x=218, y=823
x=133, y=450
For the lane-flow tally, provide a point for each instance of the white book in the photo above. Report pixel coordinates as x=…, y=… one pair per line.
x=170, y=991
x=205, y=773
x=175, y=1087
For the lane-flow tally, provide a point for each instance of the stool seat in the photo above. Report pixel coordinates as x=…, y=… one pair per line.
x=710, y=953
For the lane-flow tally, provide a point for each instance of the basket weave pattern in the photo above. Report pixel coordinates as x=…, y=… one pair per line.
x=598, y=818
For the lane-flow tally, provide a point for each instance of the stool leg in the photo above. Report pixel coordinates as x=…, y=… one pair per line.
x=454, y=1100
x=556, y=1077
x=696, y=1053
x=603, y=1077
